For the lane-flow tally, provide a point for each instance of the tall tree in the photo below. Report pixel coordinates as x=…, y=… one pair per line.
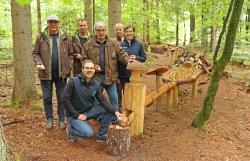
x=24, y=80
x=114, y=14
x=203, y=23
x=177, y=22
x=39, y=21
x=213, y=28
x=157, y=23
x=88, y=14
x=247, y=22
x=5, y=151
x=222, y=31
x=192, y=22
x=146, y=30
x=219, y=67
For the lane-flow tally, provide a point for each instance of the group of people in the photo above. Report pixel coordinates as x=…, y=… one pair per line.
x=98, y=63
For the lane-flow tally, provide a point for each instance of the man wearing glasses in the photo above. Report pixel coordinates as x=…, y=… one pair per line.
x=105, y=53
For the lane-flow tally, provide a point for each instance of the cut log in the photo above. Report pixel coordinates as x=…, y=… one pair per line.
x=119, y=141
x=12, y=121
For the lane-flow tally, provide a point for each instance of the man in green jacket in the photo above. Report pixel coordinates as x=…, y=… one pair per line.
x=51, y=55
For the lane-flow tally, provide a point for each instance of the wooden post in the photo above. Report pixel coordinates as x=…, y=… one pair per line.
x=158, y=85
x=157, y=71
x=134, y=98
x=175, y=96
x=170, y=101
x=194, y=89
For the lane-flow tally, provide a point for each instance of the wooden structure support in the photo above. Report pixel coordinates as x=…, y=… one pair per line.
x=134, y=100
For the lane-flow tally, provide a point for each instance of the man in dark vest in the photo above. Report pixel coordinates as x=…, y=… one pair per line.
x=79, y=99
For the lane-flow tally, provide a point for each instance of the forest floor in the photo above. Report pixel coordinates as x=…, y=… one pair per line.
x=167, y=136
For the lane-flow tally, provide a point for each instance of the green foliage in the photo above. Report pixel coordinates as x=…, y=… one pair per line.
x=10, y=104
x=18, y=157
x=23, y=2
x=36, y=105
x=6, y=56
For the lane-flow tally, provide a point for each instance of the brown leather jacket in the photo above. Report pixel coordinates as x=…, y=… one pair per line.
x=113, y=53
x=42, y=55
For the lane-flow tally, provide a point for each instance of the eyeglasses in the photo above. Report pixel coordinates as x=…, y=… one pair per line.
x=89, y=68
x=100, y=30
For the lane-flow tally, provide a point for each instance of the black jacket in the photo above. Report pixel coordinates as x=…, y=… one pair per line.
x=79, y=96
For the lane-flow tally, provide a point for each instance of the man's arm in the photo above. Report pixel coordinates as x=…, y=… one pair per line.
x=85, y=51
x=77, y=48
x=142, y=55
x=122, y=54
x=66, y=98
x=36, y=52
x=104, y=102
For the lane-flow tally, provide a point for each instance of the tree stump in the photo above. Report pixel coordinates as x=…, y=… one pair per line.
x=119, y=141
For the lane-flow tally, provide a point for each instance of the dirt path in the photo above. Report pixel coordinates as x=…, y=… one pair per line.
x=166, y=136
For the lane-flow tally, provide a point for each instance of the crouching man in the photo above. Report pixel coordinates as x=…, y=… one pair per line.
x=80, y=105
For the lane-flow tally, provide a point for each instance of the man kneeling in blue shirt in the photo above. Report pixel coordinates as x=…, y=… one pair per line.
x=80, y=105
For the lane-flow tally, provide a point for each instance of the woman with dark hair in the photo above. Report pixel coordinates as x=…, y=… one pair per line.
x=135, y=50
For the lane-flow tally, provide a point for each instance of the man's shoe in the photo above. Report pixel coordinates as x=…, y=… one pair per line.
x=62, y=125
x=70, y=137
x=49, y=124
x=101, y=138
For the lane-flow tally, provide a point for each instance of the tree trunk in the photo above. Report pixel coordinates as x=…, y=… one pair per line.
x=5, y=152
x=185, y=34
x=146, y=35
x=93, y=31
x=222, y=31
x=213, y=28
x=219, y=67
x=192, y=23
x=88, y=14
x=213, y=38
x=177, y=22
x=204, y=28
x=24, y=80
x=39, y=21
x=114, y=14
x=157, y=23
x=247, y=22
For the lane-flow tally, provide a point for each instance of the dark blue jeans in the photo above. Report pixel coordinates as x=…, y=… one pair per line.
x=111, y=91
x=47, y=89
x=83, y=129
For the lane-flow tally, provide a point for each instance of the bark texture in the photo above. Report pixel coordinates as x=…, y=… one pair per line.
x=114, y=14
x=24, y=80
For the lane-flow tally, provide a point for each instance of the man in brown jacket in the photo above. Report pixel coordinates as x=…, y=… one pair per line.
x=51, y=55
x=81, y=36
x=105, y=53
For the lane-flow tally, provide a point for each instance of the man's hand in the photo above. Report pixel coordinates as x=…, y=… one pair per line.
x=131, y=58
x=82, y=117
x=78, y=56
x=40, y=67
x=98, y=68
x=118, y=81
x=118, y=116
